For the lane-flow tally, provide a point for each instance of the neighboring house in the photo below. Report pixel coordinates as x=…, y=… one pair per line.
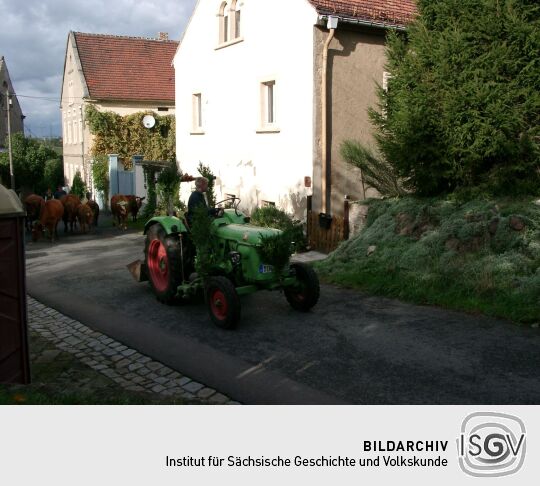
x=115, y=73
x=249, y=101
x=15, y=113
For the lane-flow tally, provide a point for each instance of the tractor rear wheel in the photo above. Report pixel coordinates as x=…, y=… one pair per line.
x=304, y=296
x=163, y=263
x=223, y=302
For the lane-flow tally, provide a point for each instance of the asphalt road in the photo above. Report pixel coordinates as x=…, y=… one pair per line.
x=352, y=348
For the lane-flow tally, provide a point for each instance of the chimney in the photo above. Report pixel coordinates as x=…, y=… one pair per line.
x=163, y=36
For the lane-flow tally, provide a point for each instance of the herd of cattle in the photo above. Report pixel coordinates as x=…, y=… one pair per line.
x=44, y=215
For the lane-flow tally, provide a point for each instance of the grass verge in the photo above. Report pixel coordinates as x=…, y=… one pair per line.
x=479, y=256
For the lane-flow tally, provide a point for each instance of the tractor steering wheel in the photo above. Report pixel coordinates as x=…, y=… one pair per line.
x=233, y=204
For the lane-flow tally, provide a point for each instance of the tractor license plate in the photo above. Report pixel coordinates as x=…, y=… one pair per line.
x=266, y=268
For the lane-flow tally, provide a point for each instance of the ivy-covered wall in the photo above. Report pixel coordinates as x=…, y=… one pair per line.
x=126, y=135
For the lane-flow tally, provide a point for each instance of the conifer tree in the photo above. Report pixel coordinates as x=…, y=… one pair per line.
x=462, y=107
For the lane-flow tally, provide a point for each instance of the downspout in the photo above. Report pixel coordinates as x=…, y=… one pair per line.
x=325, y=202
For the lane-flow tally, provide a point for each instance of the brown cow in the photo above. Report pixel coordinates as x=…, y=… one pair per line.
x=51, y=214
x=135, y=203
x=120, y=209
x=33, y=205
x=71, y=203
x=95, y=209
x=85, y=216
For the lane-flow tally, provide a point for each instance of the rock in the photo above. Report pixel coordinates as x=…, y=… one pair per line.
x=516, y=223
x=357, y=217
x=371, y=249
x=404, y=224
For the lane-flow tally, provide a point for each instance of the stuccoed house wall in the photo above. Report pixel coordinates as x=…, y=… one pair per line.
x=252, y=163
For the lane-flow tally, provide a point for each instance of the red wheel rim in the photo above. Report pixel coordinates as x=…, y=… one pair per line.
x=218, y=304
x=300, y=296
x=158, y=265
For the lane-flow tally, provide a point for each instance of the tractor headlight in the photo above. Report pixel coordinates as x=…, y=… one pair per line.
x=235, y=257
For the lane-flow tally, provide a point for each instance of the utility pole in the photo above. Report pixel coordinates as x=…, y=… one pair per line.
x=9, y=141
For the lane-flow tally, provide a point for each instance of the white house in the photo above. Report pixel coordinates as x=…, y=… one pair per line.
x=256, y=75
x=114, y=73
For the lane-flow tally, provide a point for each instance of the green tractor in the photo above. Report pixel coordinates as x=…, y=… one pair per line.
x=235, y=264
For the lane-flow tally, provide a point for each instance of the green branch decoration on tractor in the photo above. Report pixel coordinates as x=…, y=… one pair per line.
x=224, y=257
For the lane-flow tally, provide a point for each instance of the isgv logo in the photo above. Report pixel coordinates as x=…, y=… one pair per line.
x=491, y=444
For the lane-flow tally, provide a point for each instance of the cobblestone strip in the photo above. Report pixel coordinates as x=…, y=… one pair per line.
x=127, y=367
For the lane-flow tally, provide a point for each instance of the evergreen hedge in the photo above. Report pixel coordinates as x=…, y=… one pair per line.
x=462, y=109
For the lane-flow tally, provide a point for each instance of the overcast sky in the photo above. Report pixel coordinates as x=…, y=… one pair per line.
x=33, y=35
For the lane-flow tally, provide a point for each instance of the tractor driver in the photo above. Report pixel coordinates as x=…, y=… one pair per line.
x=198, y=198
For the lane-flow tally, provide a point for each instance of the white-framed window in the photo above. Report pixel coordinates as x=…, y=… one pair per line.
x=223, y=17
x=268, y=106
x=71, y=95
x=229, y=17
x=385, y=80
x=235, y=16
x=197, y=113
x=69, y=138
x=81, y=130
x=75, y=132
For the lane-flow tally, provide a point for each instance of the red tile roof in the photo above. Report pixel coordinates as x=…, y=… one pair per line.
x=398, y=12
x=127, y=68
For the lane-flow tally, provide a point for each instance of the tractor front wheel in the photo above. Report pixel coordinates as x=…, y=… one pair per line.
x=223, y=302
x=163, y=263
x=305, y=294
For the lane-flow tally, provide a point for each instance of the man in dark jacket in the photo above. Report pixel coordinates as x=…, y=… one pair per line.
x=198, y=198
x=59, y=192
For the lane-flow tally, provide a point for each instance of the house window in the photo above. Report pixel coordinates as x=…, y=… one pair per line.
x=237, y=31
x=386, y=79
x=69, y=131
x=268, y=106
x=81, y=132
x=162, y=108
x=75, y=132
x=229, y=16
x=223, y=16
x=70, y=93
x=266, y=204
x=197, y=113
x=236, y=16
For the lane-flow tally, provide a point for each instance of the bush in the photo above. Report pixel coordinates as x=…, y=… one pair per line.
x=376, y=172
x=272, y=217
x=100, y=175
x=78, y=187
x=29, y=158
x=168, y=188
x=53, y=174
x=462, y=107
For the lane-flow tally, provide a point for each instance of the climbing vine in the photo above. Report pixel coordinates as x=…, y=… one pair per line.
x=126, y=135
x=151, y=193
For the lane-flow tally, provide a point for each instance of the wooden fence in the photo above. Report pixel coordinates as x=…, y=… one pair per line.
x=326, y=233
